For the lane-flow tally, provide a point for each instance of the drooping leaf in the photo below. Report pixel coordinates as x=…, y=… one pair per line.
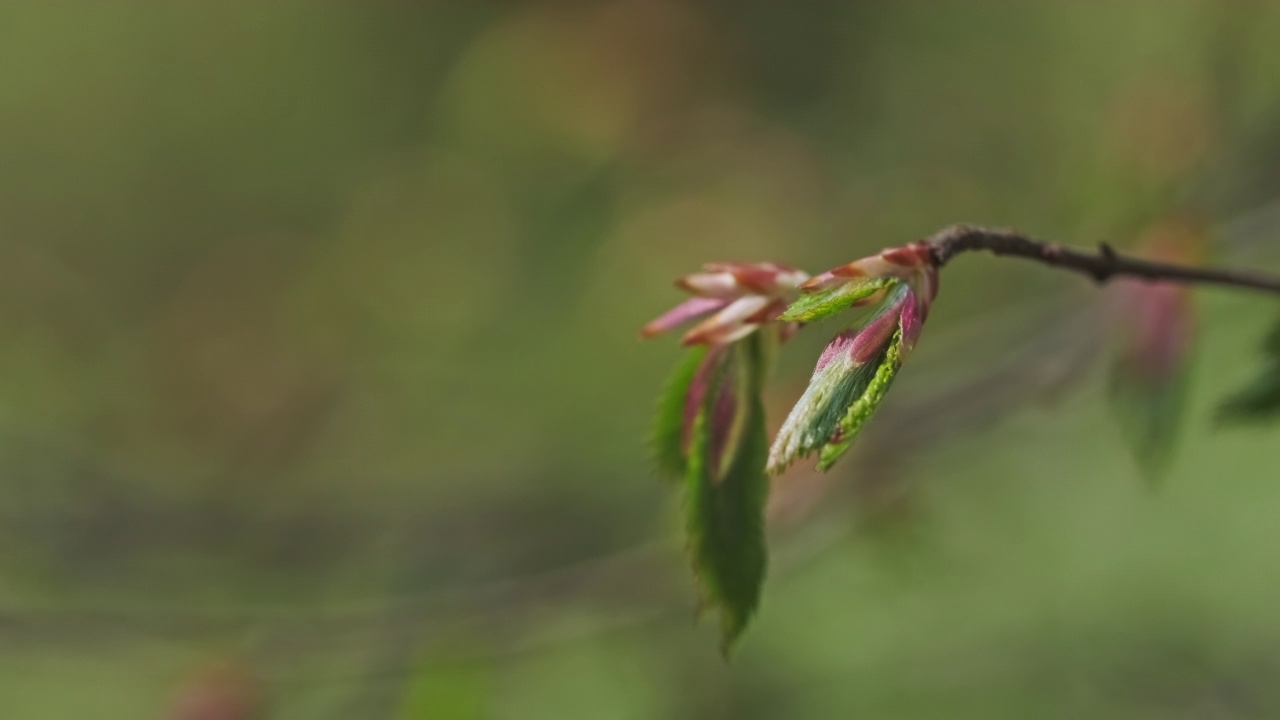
x=861, y=410
x=725, y=501
x=668, y=432
x=825, y=303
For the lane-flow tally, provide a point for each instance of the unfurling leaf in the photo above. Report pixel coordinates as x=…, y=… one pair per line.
x=850, y=380
x=833, y=300
x=1259, y=401
x=726, y=489
x=864, y=407
x=669, y=433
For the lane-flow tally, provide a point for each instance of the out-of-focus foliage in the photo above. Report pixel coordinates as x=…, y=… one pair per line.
x=447, y=687
x=1260, y=399
x=319, y=342
x=225, y=691
x=1155, y=326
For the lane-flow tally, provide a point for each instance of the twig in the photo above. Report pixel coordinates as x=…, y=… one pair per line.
x=1102, y=265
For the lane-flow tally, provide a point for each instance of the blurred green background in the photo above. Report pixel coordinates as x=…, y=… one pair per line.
x=321, y=394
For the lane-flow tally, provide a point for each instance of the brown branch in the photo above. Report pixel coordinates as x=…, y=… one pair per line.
x=1102, y=265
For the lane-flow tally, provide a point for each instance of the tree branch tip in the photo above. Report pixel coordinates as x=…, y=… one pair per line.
x=1103, y=265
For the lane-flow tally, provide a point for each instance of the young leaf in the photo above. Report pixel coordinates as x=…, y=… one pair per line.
x=817, y=414
x=865, y=406
x=668, y=434
x=844, y=374
x=725, y=500
x=825, y=303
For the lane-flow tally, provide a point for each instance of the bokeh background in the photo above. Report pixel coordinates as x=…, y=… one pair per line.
x=321, y=394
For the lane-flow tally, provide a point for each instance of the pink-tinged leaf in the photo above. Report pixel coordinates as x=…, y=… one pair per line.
x=911, y=321
x=869, y=267
x=669, y=436
x=911, y=255
x=925, y=285
x=833, y=278
x=686, y=311
x=764, y=278
x=843, y=374
x=838, y=347
x=850, y=380
x=729, y=324
x=767, y=314
x=872, y=337
x=723, y=413
x=760, y=280
x=1161, y=327
x=864, y=406
x=725, y=500
x=731, y=280
x=701, y=384
x=1149, y=375
x=711, y=285
x=775, y=268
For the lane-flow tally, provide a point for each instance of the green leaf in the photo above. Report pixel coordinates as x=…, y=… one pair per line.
x=861, y=410
x=725, y=512
x=1150, y=415
x=1271, y=345
x=825, y=303
x=667, y=436
x=834, y=389
x=835, y=392
x=1259, y=401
